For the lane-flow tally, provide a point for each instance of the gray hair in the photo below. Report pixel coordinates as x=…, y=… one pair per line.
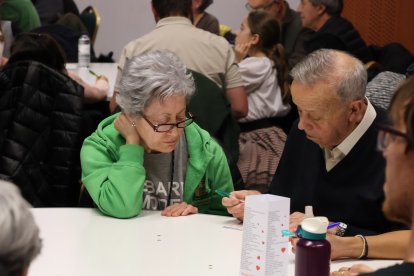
x=19, y=235
x=344, y=73
x=155, y=75
x=332, y=7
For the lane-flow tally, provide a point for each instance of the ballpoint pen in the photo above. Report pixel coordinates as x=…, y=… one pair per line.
x=223, y=193
x=93, y=73
x=287, y=233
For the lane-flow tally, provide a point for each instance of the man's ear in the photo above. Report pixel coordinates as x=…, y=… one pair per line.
x=321, y=9
x=357, y=111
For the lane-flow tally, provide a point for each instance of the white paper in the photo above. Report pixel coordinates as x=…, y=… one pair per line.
x=265, y=251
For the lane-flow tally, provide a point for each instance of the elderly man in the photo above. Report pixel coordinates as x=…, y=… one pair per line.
x=19, y=235
x=293, y=35
x=331, y=30
x=330, y=159
x=397, y=143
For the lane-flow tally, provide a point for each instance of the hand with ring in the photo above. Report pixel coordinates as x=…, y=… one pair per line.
x=126, y=127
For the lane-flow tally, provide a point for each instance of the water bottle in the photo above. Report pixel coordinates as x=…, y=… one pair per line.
x=313, y=251
x=84, y=51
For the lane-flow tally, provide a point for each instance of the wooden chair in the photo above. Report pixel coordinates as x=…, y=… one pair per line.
x=91, y=19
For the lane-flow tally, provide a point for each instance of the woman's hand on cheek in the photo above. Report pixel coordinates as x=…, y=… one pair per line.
x=179, y=209
x=126, y=127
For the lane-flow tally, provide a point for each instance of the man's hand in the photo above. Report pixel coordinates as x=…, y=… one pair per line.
x=179, y=209
x=234, y=204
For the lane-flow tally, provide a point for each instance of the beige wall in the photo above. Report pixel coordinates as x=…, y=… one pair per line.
x=125, y=20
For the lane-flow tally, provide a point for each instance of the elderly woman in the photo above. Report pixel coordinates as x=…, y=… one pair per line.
x=19, y=234
x=152, y=155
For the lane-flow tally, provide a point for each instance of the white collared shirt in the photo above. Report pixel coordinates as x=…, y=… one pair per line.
x=334, y=156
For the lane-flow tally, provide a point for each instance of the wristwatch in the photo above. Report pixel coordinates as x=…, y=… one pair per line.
x=340, y=229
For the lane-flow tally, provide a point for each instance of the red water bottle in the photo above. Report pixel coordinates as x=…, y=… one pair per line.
x=313, y=251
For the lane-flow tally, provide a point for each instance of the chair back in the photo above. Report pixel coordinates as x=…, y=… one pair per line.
x=213, y=113
x=91, y=19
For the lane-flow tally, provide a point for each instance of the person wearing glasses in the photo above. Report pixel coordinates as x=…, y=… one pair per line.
x=152, y=155
x=293, y=35
x=330, y=160
x=396, y=142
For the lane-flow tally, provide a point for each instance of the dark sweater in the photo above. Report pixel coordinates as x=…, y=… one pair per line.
x=352, y=192
x=338, y=33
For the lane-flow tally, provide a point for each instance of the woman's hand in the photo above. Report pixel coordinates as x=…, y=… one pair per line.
x=241, y=50
x=235, y=203
x=126, y=126
x=179, y=209
x=353, y=270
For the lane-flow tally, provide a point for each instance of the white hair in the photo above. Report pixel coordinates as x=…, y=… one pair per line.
x=158, y=74
x=19, y=235
x=344, y=73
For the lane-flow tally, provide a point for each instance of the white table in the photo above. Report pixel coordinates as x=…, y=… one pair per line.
x=107, y=69
x=82, y=242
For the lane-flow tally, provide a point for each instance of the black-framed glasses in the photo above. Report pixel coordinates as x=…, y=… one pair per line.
x=388, y=134
x=263, y=8
x=167, y=127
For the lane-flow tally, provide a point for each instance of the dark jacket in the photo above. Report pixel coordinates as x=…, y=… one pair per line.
x=352, y=192
x=40, y=126
x=338, y=33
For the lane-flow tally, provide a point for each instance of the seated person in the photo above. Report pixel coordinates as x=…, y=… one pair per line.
x=140, y=159
x=44, y=49
x=396, y=143
x=264, y=71
x=19, y=235
x=330, y=160
x=202, y=19
x=331, y=30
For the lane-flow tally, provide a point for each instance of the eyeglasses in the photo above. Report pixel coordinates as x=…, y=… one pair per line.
x=263, y=8
x=167, y=127
x=388, y=134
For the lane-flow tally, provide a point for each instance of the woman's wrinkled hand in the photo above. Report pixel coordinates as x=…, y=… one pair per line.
x=179, y=209
x=126, y=127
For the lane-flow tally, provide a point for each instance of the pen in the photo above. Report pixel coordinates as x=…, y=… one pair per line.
x=93, y=73
x=223, y=193
x=287, y=233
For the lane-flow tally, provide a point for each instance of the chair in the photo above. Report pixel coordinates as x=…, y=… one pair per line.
x=213, y=113
x=91, y=19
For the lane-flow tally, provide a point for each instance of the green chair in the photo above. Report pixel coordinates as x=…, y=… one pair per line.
x=213, y=113
x=91, y=19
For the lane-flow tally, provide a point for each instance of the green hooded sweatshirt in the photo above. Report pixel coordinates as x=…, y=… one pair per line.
x=114, y=176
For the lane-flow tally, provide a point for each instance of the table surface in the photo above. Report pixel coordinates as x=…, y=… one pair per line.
x=107, y=69
x=81, y=241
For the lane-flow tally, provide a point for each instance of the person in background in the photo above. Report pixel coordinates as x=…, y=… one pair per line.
x=202, y=19
x=396, y=141
x=330, y=160
x=21, y=13
x=44, y=49
x=20, y=242
x=51, y=10
x=264, y=71
x=331, y=30
x=152, y=155
x=293, y=34
x=201, y=51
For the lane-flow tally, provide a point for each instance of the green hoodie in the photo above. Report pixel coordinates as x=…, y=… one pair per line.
x=114, y=176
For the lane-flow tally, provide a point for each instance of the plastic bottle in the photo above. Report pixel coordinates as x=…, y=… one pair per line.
x=313, y=251
x=84, y=51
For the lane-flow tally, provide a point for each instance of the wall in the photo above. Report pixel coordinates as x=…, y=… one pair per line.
x=123, y=21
